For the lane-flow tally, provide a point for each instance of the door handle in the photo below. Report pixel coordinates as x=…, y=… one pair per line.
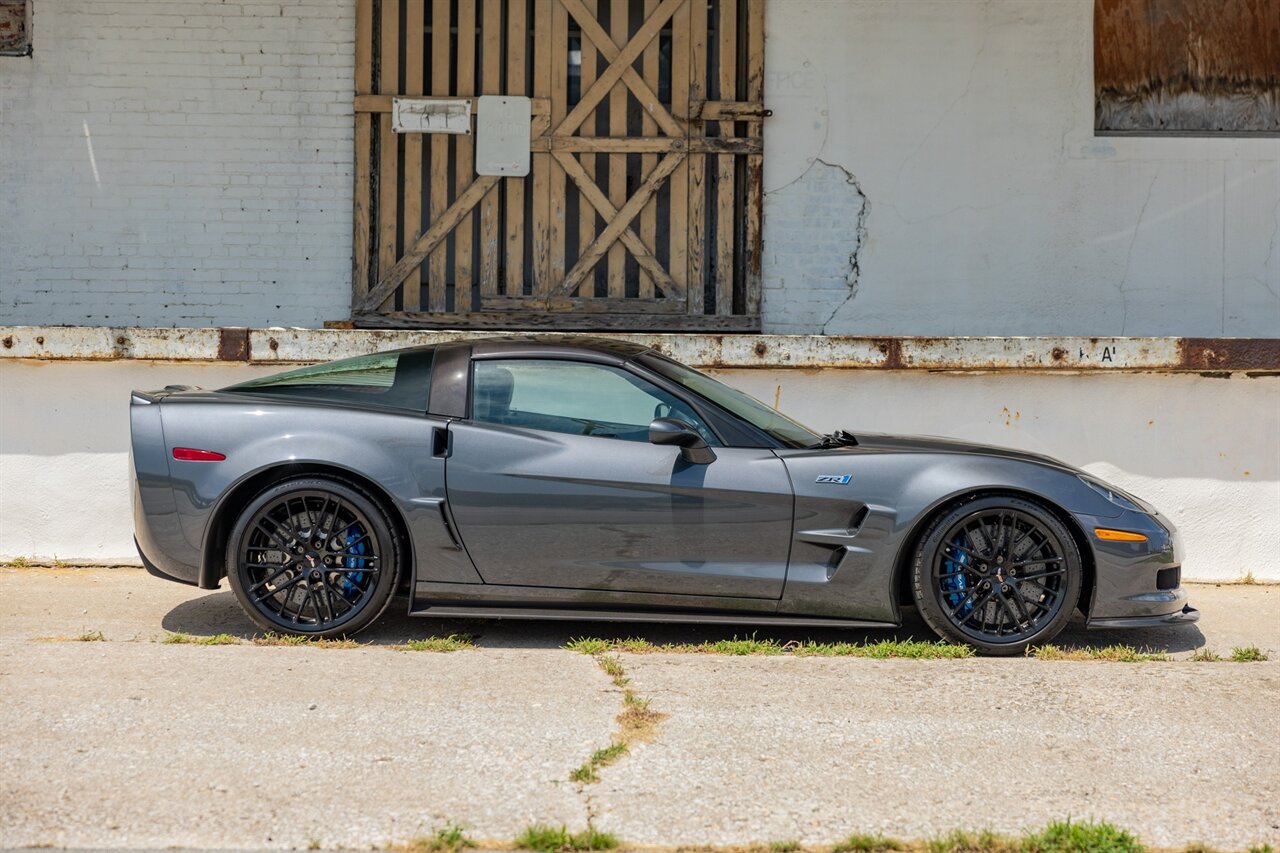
x=441, y=442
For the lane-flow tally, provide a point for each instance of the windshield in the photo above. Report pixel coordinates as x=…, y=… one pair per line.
x=751, y=410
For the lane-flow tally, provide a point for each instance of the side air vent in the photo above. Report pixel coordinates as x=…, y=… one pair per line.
x=856, y=522
x=1169, y=578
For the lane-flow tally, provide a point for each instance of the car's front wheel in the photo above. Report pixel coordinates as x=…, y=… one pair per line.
x=313, y=556
x=1000, y=573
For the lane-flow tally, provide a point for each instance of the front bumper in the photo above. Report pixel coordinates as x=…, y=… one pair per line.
x=1136, y=584
x=1186, y=616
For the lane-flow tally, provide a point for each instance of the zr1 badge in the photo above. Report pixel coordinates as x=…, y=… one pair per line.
x=838, y=479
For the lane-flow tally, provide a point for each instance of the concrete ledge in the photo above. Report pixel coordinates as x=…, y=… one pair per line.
x=299, y=346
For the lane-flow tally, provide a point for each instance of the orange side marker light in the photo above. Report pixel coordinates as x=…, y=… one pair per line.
x=1108, y=535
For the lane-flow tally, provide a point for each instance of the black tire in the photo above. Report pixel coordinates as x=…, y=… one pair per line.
x=999, y=573
x=313, y=556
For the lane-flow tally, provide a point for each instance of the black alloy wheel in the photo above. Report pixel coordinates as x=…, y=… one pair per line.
x=313, y=556
x=1000, y=573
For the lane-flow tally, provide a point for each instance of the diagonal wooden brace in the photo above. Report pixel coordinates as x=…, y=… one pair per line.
x=620, y=223
x=426, y=243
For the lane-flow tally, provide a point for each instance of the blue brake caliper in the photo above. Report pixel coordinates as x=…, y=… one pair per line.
x=954, y=585
x=354, y=544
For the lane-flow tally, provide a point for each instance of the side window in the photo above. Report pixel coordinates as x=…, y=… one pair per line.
x=400, y=379
x=573, y=397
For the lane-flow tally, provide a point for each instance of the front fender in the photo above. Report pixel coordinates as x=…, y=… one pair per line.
x=849, y=535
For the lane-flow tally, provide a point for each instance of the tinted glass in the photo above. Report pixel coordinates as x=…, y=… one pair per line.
x=397, y=380
x=577, y=398
x=751, y=410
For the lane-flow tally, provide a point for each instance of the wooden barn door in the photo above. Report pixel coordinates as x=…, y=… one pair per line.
x=641, y=209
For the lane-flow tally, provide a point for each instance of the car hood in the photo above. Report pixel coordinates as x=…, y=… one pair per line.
x=872, y=441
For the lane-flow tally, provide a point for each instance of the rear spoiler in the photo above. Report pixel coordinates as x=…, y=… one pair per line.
x=145, y=398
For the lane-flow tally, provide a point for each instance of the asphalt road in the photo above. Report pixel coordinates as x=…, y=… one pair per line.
x=131, y=743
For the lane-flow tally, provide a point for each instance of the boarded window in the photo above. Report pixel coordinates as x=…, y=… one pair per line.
x=15, y=28
x=1187, y=66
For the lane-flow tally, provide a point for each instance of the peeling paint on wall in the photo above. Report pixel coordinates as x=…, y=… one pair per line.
x=813, y=257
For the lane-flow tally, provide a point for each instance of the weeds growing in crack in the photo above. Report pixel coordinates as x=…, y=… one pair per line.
x=637, y=722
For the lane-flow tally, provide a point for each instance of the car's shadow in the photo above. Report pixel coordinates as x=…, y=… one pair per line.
x=219, y=612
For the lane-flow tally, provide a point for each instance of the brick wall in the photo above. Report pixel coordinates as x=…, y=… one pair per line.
x=178, y=163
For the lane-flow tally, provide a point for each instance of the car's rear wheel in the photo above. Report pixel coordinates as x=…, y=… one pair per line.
x=1000, y=573
x=313, y=556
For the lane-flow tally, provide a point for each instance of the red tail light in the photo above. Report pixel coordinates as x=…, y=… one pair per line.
x=191, y=454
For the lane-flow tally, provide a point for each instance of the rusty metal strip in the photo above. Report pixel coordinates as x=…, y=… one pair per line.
x=1060, y=354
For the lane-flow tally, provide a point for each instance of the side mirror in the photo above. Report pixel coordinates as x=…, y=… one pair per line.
x=674, y=432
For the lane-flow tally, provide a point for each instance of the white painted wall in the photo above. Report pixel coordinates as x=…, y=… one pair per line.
x=178, y=162
x=989, y=207
x=1203, y=450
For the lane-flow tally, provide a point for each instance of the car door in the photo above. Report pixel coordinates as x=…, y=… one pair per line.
x=552, y=483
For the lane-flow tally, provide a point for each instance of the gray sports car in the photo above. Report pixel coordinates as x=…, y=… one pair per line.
x=577, y=478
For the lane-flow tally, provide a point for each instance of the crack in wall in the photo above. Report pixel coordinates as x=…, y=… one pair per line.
x=1128, y=258
x=854, y=276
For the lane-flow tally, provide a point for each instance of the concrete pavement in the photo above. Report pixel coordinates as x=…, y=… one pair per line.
x=131, y=743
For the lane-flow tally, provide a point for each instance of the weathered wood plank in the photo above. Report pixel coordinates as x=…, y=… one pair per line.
x=754, y=238
x=430, y=239
x=361, y=237
x=642, y=253
x=415, y=32
x=517, y=36
x=464, y=63
x=649, y=145
x=437, y=265
x=649, y=216
x=586, y=213
x=620, y=32
x=540, y=226
x=617, y=224
x=580, y=304
x=490, y=84
x=388, y=142
x=688, y=38
x=557, y=321
x=726, y=209
x=558, y=228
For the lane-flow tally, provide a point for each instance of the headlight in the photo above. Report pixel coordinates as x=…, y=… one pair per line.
x=1114, y=495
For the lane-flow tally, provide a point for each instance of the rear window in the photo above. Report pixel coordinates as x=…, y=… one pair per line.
x=394, y=380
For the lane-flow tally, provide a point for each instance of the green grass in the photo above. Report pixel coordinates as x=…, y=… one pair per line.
x=754, y=646
x=1118, y=653
x=449, y=838
x=784, y=846
x=181, y=639
x=1089, y=837
x=1262, y=848
x=863, y=843
x=1206, y=655
x=588, y=645
x=1248, y=654
x=19, y=563
x=274, y=639
x=451, y=643
x=912, y=649
x=550, y=839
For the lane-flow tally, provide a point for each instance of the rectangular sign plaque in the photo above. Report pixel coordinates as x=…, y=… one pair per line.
x=502, y=135
x=431, y=115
